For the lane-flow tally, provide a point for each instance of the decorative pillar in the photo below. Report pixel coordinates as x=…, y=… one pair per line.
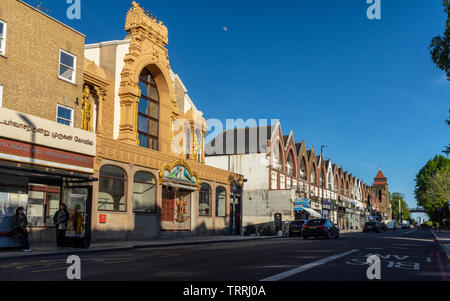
x=101, y=93
x=129, y=97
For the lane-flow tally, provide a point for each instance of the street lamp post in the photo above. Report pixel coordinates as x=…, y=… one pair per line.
x=323, y=180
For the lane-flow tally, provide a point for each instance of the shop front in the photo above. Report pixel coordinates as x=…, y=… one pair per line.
x=44, y=164
x=326, y=209
x=303, y=210
x=341, y=217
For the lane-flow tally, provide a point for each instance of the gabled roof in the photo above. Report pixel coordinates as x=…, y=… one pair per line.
x=380, y=175
x=260, y=135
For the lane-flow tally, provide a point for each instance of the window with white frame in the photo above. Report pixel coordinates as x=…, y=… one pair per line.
x=1, y=96
x=67, y=65
x=64, y=115
x=2, y=37
x=274, y=180
x=288, y=183
x=282, y=182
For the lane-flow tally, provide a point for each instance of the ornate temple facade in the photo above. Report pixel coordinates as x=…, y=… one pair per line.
x=150, y=141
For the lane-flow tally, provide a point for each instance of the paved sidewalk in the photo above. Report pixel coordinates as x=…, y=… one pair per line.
x=443, y=238
x=50, y=249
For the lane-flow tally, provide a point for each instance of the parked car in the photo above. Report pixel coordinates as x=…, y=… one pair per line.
x=295, y=228
x=320, y=227
x=372, y=227
x=384, y=227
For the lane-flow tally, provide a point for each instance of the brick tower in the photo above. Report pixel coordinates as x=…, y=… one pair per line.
x=381, y=188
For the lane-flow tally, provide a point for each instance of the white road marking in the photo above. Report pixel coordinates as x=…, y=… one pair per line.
x=306, y=267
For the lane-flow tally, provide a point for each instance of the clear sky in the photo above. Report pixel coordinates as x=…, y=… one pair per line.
x=366, y=88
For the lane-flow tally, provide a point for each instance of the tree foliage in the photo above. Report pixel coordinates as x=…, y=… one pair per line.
x=395, y=197
x=432, y=187
x=447, y=149
x=440, y=51
x=440, y=45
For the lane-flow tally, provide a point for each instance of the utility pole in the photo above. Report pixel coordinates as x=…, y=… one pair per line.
x=399, y=212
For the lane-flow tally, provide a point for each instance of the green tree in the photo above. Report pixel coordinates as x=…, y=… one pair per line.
x=440, y=45
x=440, y=51
x=395, y=197
x=432, y=186
x=437, y=194
x=447, y=149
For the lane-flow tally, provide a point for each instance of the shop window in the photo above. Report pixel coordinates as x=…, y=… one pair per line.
x=67, y=65
x=221, y=198
x=112, y=189
x=43, y=202
x=2, y=37
x=64, y=115
x=144, y=193
x=204, y=206
x=148, y=111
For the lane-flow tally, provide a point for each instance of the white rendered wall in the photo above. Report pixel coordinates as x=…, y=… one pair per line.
x=254, y=167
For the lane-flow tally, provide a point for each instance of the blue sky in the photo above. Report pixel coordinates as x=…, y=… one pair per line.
x=366, y=88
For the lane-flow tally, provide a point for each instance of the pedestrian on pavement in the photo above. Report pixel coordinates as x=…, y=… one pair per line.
x=61, y=220
x=19, y=228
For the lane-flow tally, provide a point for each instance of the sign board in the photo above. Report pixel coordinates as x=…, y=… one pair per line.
x=180, y=173
x=102, y=218
x=38, y=131
x=39, y=155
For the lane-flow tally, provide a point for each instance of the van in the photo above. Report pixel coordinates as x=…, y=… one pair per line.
x=391, y=224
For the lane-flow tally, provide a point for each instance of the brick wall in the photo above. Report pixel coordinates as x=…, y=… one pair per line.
x=29, y=69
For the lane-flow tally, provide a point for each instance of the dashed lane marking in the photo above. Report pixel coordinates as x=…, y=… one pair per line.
x=306, y=267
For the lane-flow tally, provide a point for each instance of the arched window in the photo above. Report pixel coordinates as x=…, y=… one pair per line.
x=330, y=181
x=204, y=204
x=148, y=111
x=303, y=170
x=290, y=165
x=144, y=193
x=312, y=178
x=277, y=161
x=221, y=199
x=112, y=189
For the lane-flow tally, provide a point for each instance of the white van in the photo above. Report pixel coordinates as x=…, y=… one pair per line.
x=391, y=224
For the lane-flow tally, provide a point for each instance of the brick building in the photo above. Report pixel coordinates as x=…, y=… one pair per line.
x=108, y=128
x=285, y=178
x=43, y=150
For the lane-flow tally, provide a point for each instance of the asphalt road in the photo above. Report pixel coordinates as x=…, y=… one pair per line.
x=407, y=255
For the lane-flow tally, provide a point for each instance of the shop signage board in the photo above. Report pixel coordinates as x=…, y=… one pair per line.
x=28, y=153
x=38, y=131
x=300, y=204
